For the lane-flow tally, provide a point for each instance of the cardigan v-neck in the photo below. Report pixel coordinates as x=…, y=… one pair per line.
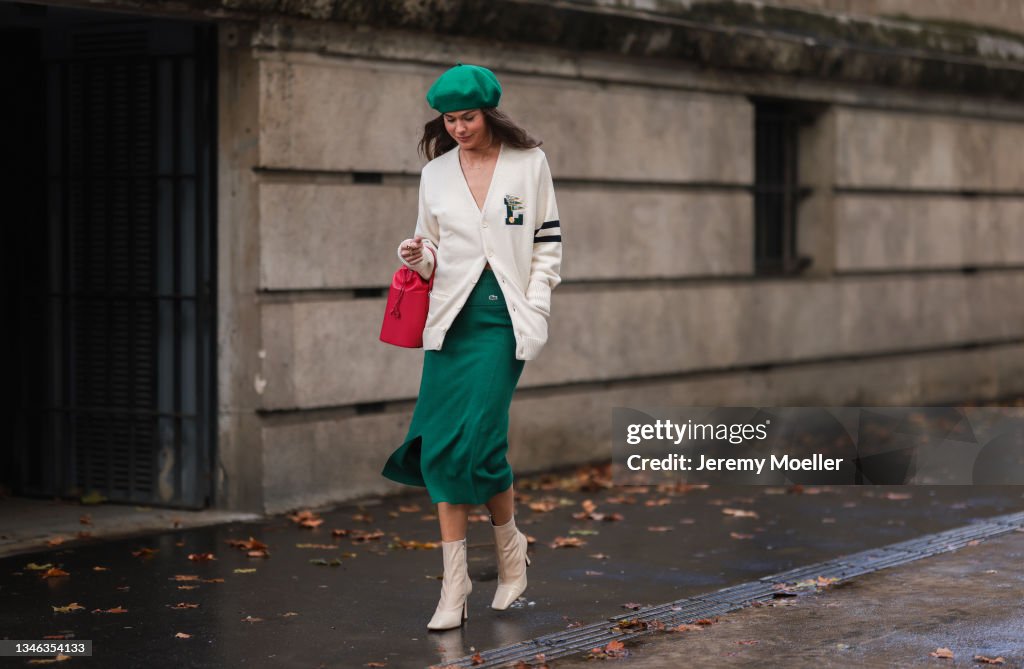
x=490, y=186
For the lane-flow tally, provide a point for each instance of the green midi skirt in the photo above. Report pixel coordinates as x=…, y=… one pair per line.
x=457, y=442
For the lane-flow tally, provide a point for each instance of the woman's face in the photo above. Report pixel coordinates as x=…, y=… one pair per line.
x=468, y=128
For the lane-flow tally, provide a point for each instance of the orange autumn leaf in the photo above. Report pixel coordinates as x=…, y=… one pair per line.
x=54, y=571
x=362, y=536
x=201, y=557
x=50, y=660
x=544, y=506
x=182, y=635
x=183, y=605
x=567, y=542
x=258, y=553
x=73, y=606
x=306, y=518
x=55, y=541
x=181, y=577
x=989, y=660
x=249, y=544
x=737, y=535
x=116, y=609
x=144, y=552
x=942, y=652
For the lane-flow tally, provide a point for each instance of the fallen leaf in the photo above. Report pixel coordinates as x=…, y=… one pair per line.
x=98, y=568
x=306, y=518
x=50, y=660
x=362, y=536
x=737, y=535
x=116, y=609
x=249, y=544
x=55, y=541
x=201, y=557
x=32, y=566
x=409, y=508
x=73, y=606
x=740, y=513
x=180, y=577
x=659, y=528
x=250, y=619
x=182, y=635
x=544, y=506
x=258, y=554
x=187, y=587
x=54, y=571
x=599, y=556
x=989, y=660
x=245, y=571
x=567, y=542
x=183, y=605
x=144, y=552
x=941, y=652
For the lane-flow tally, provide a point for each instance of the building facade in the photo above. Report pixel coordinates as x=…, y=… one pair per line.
x=787, y=203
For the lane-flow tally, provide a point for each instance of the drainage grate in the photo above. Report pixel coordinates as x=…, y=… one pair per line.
x=691, y=609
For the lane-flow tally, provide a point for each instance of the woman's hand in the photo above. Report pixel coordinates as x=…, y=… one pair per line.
x=412, y=250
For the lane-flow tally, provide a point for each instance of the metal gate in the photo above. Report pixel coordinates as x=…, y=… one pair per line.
x=128, y=406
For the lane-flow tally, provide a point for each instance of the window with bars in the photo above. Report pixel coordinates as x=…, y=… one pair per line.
x=777, y=189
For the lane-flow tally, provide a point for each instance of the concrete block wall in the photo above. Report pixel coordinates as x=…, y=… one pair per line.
x=659, y=301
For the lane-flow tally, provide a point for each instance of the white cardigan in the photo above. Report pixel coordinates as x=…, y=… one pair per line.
x=517, y=232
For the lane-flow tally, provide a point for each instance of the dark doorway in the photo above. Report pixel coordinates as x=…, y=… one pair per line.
x=109, y=255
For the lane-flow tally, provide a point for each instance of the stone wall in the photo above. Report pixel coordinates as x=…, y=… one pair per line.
x=659, y=303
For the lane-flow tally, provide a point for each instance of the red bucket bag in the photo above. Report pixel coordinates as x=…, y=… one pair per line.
x=406, y=311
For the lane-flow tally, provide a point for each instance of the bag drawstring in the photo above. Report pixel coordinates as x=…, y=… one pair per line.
x=395, y=313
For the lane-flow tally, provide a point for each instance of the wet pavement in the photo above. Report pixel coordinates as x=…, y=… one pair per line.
x=969, y=602
x=363, y=594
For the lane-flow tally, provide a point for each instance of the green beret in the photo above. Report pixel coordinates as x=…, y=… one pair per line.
x=464, y=87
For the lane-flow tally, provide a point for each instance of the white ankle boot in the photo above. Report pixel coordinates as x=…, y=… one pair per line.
x=453, y=606
x=512, y=563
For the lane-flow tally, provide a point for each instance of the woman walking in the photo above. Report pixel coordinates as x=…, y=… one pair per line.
x=488, y=230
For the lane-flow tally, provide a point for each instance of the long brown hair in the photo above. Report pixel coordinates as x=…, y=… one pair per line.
x=436, y=140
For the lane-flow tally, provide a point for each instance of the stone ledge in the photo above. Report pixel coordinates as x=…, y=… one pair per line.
x=741, y=36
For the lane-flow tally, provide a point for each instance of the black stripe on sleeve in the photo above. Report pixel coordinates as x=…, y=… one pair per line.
x=552, y=238
x=549, y=224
